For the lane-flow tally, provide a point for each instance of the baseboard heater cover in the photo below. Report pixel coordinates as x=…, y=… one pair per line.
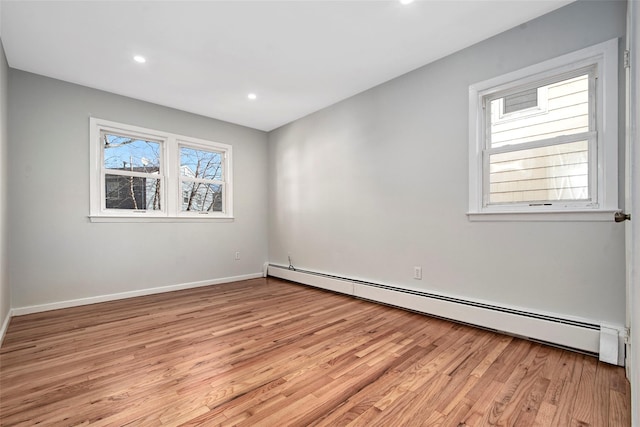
x=583, y=336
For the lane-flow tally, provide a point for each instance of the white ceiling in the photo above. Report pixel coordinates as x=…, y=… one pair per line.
x=206, y=56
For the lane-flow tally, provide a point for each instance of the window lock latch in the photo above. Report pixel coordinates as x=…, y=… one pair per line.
x=620, y=216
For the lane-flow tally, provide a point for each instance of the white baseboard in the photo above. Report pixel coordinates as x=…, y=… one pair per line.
x=20, y=311
x=561, y=330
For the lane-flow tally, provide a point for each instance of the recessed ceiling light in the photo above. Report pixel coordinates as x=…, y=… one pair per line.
x=140, y=59
x=406, y=1
x=252, y=96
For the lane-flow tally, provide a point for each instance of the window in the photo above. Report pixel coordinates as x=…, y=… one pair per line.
x=544, y=140
x=142, y=173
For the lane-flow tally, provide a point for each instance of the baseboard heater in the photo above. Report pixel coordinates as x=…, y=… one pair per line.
x=583, y=336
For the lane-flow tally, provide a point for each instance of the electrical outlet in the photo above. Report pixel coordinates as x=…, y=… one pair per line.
x=417, y=273
x=237, y=255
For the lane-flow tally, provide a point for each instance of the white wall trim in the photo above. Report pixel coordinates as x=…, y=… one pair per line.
x=566, y=331
x=5, y=325
x=633, y=290
x=546, y=216
x=20, y=311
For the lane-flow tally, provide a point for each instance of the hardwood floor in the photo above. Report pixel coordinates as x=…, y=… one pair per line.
x=266, y=352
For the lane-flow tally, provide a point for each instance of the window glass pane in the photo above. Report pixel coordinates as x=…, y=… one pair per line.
x=558, y=172
x=203, y=164
x=521, y=101
x=132, y=192
x=126, y=153
x=567, y=113
x=201, y=197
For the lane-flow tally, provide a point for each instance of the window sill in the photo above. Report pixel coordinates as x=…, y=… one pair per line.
x=192, y=219
x=543, y=216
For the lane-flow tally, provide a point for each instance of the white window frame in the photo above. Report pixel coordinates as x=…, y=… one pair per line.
x=169, y=174
x=604, y=148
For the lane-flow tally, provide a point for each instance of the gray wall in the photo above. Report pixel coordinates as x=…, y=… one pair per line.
x=378, y=183
x=58, y=255
x=4, y=278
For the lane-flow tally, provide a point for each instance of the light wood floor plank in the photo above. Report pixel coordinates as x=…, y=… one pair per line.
x=267, y=352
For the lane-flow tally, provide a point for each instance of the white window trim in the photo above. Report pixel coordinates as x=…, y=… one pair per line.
x=605, y=55
x=171, y=197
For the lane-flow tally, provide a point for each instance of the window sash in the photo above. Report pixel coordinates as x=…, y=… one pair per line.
x=201, y=180
x=131, y=173
x=590, y=71
x=159, y=176
x=590, y=201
